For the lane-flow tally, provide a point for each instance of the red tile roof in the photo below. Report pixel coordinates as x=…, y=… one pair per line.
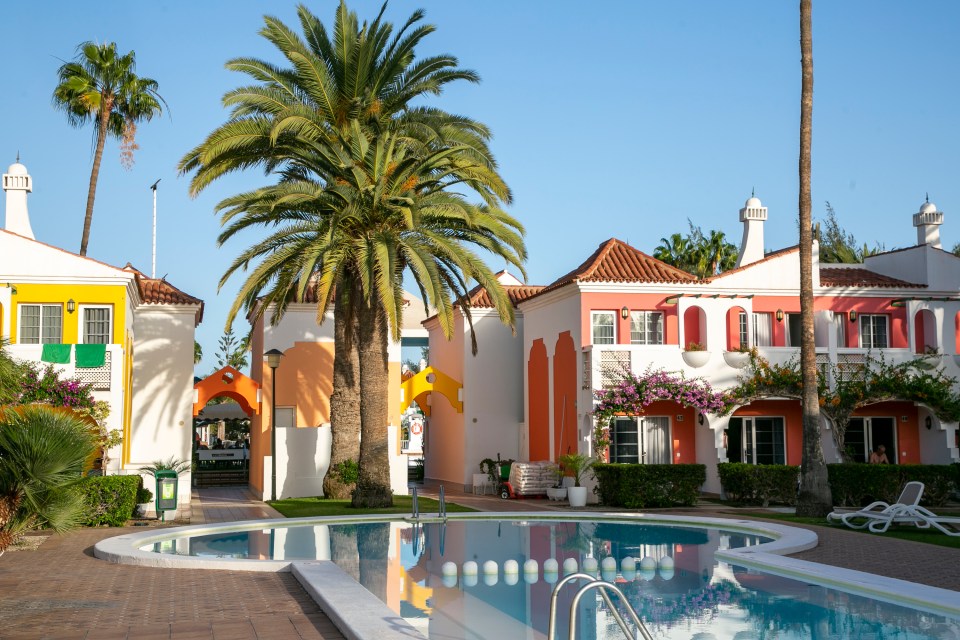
x=859, y=277
x=617, y=261
x=479, y=298
x=159, y=291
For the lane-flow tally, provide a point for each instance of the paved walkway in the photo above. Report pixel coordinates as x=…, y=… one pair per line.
x=62, y=591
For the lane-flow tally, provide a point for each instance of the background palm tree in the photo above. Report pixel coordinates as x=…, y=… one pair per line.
x=101, y=85
x=356, y=163
x=696, y=253
x=814, y=498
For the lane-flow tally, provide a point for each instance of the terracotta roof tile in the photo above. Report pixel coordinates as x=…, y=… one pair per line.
x=159, y=291
x=479, y=298
x=857, y=277
x=616, y=261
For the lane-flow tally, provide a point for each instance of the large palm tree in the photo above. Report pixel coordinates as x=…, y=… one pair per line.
x=814, y=498
x=356, y=165
x=101, y=86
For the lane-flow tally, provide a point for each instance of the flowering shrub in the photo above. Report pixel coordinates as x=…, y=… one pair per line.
x=44, y=385
x=634, y=393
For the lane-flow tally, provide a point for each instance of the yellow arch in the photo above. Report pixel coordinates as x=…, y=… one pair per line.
x=417, y=387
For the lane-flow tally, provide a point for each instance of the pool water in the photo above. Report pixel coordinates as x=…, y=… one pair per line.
x=493, y=579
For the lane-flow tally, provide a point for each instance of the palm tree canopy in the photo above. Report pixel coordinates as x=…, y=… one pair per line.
x=101, y=79
x=368, y=186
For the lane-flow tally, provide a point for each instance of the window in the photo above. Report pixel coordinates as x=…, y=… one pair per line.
x=763, y=329
x=863, y=435
x=603, y=327
x=794, y=329
x=758, y=440
x=742, y=329
x=646, y=327
x=96, y=325
x=41, y=324
x=873, y=332
x=840, y=328
x=640, y=440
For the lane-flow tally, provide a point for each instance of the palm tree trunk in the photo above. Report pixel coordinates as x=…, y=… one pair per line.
x=814, y=498
x=104, y=116
x=373, y=485
x=345, y=399
x=373, y=545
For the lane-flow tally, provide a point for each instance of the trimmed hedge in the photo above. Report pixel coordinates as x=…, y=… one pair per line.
x=109, y=500
x=640, y=486
x=759, y=483
x=855, y=485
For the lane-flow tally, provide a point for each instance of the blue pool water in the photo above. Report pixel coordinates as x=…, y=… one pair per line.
x=493, y=579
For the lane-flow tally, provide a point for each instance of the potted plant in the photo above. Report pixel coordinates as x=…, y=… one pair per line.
x=144, y=501
x=739, y=357
x=558, y=491
x=695, y=355
x=576, y=464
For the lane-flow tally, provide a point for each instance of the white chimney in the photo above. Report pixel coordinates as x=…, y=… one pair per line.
x=18, y=183
x=752, y=216
x=928, y=221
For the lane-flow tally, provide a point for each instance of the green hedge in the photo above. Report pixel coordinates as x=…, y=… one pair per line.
x=854, y=485
x=640, y=486
x=109, y=500
x=759, y=483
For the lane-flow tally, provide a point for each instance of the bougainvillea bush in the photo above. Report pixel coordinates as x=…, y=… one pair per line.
x=634, y=393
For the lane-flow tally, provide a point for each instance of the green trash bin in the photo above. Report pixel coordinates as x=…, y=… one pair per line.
x=166, y=491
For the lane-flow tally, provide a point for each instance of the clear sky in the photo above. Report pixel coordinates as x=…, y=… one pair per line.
x=611, y=119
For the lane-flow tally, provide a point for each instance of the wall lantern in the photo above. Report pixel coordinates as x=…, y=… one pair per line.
x=853, y=316
x=928, y=422
x=71, y=306
x=779, y=315
x=624, y=313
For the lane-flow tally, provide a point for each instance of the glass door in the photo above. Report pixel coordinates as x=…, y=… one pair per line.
x=656, y=440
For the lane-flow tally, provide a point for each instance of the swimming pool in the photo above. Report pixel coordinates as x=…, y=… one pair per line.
x=483, y=577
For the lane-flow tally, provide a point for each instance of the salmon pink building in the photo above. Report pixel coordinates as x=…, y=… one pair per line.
x=531, y=396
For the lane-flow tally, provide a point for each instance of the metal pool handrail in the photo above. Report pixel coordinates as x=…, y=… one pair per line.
x=601, y=586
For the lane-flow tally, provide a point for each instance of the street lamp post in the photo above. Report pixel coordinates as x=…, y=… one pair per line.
x=272, y=358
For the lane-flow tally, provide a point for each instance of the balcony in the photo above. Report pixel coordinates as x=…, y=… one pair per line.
x=105, y=378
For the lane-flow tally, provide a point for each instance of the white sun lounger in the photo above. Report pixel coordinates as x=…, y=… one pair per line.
x=949, y=525
x=878, y=516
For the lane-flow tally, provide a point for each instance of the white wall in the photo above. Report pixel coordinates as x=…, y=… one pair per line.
x=299, y=324
x=161, y=422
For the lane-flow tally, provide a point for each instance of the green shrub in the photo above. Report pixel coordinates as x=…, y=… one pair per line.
x=854, y=485
x=144, y=495
x=109, y=500
x=640, y=486
x=759, y=483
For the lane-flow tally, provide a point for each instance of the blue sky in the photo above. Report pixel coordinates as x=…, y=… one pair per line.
x=611, y=119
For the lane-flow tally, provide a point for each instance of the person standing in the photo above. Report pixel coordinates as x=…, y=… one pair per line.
x=879, y=455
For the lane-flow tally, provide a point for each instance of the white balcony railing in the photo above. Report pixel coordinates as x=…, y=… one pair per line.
x=104, y=378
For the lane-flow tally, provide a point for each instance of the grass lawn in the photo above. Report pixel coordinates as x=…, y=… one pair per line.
x=311, y=507
x=902, y=532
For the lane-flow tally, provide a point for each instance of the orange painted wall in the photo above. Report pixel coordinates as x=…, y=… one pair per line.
x=259, y=428
x=691, y=326
x=564, y=396
x=792, y=416
x=305, y=381
x=908, y=433
x=791, y=304
x=733, y=328
x=682, y=432
x=538, y=397
x=918, y=333
x=634, y=302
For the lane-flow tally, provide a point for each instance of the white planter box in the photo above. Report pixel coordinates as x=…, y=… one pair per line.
x=696, y=359
x=555, y=493
x=736, y=359
x=577, y=496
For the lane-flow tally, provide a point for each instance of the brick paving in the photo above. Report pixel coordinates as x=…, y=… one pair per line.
x=62, y=591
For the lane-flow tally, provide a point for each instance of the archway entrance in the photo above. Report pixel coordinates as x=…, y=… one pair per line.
x=218, y=461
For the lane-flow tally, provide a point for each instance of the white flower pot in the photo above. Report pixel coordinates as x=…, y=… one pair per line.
x=577, y=496
x=696, y=359
x=736, y=359
x=557, y=493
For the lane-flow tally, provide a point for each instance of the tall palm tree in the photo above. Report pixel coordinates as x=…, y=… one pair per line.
x=675, y=250
x=717, y=254
x=102, y=86
x=814, y=498
x=356, y=162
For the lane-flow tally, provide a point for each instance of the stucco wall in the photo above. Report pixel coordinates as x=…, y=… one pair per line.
x=445, y=441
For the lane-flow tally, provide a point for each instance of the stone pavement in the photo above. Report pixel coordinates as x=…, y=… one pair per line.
x=62, y=591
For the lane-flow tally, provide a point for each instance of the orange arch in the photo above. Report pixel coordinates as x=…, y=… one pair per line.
x=230, y=383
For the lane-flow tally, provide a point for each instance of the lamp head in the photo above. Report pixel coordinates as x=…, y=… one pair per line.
x=272, y=358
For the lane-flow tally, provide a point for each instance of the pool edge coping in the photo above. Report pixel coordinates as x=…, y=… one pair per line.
x=769, y=556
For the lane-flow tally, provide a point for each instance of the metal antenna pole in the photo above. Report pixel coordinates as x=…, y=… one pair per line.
x=153, y=268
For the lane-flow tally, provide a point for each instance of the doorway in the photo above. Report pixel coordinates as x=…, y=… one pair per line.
x=640, y=440
x=866, y=434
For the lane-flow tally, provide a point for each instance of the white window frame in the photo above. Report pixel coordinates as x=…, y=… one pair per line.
x=82, y=322
x=743, y=329
x=871, y=318
x=642, y=318
x=788, y=319
x=22, y=306
x=748, y=422
x=759, y=316
x=868, y=440
x=593, y=335
x=643, y=454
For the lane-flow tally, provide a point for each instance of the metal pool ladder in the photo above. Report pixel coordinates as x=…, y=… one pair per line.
x=603, y=587
x=441, y=510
